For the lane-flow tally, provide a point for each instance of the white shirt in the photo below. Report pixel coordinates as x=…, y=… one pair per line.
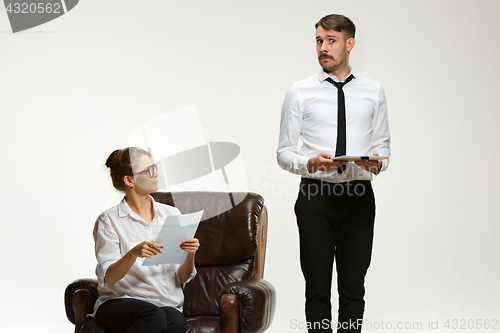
x=116, y=232
x=310, y=113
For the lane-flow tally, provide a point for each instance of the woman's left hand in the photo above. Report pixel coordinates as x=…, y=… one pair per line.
x=190, y=245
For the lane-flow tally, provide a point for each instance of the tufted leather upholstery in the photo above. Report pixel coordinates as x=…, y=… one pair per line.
x=228, y=293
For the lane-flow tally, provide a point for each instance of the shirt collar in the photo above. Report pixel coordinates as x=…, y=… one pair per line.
x=322, y=75
x=124, y=209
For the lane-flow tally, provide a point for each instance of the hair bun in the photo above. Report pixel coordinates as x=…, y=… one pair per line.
x=112, y=159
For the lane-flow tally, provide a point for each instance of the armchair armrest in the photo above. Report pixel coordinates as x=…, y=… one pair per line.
x=79, y=299
x=229, y=313
x=83, y=304
x=257, y=301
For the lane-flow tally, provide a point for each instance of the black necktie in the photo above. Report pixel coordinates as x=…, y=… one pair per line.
x=340, y=150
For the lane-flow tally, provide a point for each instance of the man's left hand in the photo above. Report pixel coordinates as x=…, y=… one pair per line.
x=370, y=166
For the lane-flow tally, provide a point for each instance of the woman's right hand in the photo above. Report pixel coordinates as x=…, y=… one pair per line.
x=147, y=249
x=120, y=268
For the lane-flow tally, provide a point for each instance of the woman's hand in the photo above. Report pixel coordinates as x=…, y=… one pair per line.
x=120, y=268
x=146, y=249
x=190, y=245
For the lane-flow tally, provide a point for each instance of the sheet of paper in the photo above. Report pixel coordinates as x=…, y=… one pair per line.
x=176, y=229
x=360, y=158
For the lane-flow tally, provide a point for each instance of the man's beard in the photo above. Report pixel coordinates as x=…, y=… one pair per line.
x=329, y=68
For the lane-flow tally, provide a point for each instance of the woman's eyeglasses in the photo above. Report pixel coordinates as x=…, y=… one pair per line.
x=151, y=171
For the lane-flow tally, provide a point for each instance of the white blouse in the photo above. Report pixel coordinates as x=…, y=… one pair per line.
x=116, y=232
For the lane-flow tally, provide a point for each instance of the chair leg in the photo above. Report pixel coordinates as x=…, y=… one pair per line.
x=229, y=312
x=83, y=303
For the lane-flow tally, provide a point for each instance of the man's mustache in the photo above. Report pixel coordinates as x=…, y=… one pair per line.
x=325, y=56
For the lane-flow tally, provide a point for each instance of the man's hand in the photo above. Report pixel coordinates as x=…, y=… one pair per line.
x=323, y=162
x=190, y=245
x=370, y=166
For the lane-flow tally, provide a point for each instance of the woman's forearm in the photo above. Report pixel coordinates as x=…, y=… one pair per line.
x=119, y=269
x=187, y=267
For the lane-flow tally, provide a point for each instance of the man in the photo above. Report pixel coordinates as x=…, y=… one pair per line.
x=334, y=113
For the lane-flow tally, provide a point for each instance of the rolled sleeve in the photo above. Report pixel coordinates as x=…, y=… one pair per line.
x=107, y=247
x=178, y=279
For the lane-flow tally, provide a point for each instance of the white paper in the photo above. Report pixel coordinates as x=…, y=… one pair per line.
x=177, y=228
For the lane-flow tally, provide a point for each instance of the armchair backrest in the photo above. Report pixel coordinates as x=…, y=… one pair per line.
x=232, y=244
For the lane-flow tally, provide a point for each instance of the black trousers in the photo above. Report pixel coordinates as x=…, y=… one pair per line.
x=135, y=316
x=335, y=220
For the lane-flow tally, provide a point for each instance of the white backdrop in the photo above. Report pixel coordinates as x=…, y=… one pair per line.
x=73, y=89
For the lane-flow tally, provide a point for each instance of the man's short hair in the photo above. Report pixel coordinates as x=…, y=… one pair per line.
x=338, y=23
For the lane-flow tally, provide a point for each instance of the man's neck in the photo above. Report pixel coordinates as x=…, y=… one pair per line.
x=340, y=73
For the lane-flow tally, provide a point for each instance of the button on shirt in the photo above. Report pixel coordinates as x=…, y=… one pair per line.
x=310, y=113
x=116, y=232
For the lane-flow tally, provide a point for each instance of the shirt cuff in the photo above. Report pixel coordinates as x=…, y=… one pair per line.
x=101, y=272
x=193, y=274
x=385, y=164
x=383, y=167
x=302, y=165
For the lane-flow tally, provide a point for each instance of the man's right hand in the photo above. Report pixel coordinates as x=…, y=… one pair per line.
x=323, y=162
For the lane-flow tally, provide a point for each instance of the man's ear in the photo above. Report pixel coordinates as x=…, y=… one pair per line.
x=350, y=44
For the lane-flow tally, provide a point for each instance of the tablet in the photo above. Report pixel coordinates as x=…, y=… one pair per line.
x=359, y=158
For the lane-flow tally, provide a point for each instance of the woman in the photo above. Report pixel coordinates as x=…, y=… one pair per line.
x=132, y=297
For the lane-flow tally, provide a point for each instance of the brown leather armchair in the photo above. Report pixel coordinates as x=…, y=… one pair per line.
x=228, y=294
